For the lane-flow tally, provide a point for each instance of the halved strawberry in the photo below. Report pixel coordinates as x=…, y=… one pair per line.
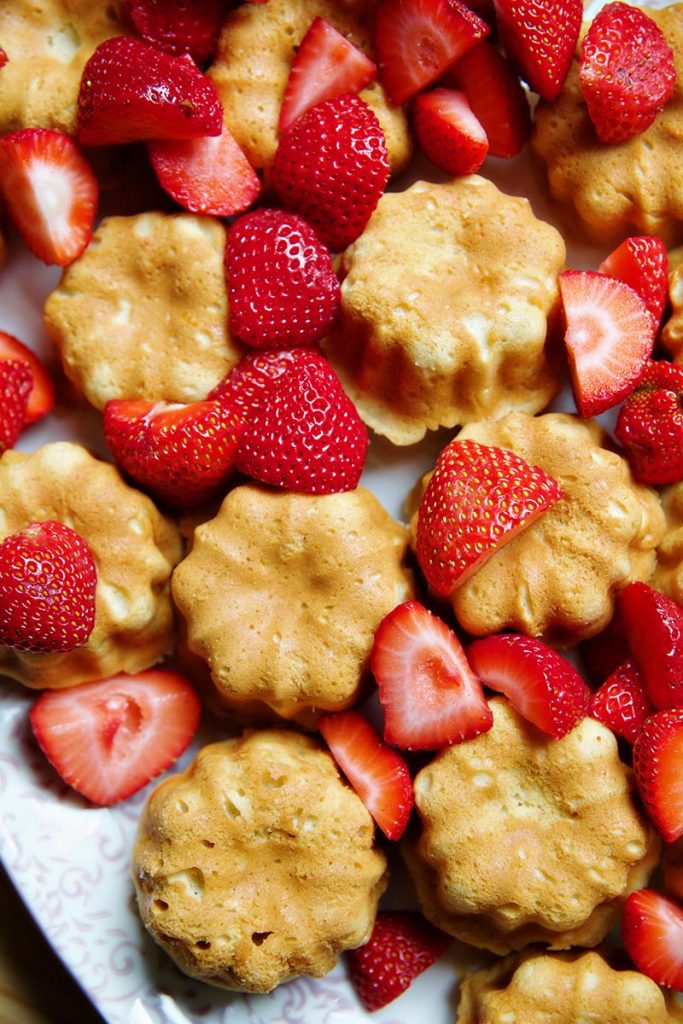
x=654, y=626
x=477, y=499
x=448, y=132
x=402, y=946
x=132, y=92
x=326, y=65
x=609, y=337
x=179, y=26
x=16, y=382
x=650, y=424
x=540, y=684
x=540, y=36
x=621, y=703
x=210, y=175
x=428, y=692
x=182, y=454
x=417, y=40
x=50, y=191
x=379, y=774
x=42, y=394
x=108, y=739
x=652, y=930
x=642, y=263
x=658, y=767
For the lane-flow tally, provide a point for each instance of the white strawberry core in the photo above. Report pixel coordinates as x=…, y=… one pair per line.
x=54, y=189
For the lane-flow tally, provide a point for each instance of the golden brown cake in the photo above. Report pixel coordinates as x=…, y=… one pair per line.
x=672, y=331
x=668, y=574
x=258, y=864
x=528, y=839
x=446, y=300
x=134, y=547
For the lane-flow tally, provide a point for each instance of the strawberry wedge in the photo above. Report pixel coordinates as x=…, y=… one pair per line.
x=448, y=132
x=15, y=388
x=42, y=394
x=642, y=262
x=658, y=767
x=652, y=930
x=540, y=36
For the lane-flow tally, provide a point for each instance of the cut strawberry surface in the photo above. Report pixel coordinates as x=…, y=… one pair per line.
x=326, y=65
x=540, y=684
x=650, y=425
x=210, y=175
x=540, y=36
x=642, y=263
x=428, y=692
x=417, y=40
x=16, y=382
x=658, y=767
x=652, y=930
x=110, y=738
x=402, y=946
x=621, y=703
x=448, y=132
x=50, y=191
x=478, y=498
x=378, y=774
x=654, y=626
x=132, y=92
x=179, y=26
x=41, y=397
x=609, y=337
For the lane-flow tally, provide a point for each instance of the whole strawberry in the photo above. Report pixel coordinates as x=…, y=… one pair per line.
x=282, y=288
x=246, y=384
x=332, y=167
x=47, y=589
x=16, y=382
x=650, y=425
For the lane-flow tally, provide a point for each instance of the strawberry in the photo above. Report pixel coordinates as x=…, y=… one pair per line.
x=650, y=425
x=179, y=26
x=448, y=132
x=210, y=175
x=130, y=91
x=654, y=626
x=305, y=433
x=428, y=692
x=540, y=37
x=50, y=191
x=108, y=739
x=540, y=684
x=417, y=40
x=3, y=57
x=652, y=930
x=402, y=946
x=603, y=653
x=182, y=454
x=642, y=263
x=626, y=71
x=16, y=381
x=331, y=166
x=246, y=384
x=378, y=774
x=477, y=499
x=658, y=767
x=609, y=337
x=621, y=702
x=47, y=589
x=326, y=65
x=496, y=96
x=282, y=288
x=42, y=394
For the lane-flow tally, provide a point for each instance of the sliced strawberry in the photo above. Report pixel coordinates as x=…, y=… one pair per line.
x=378, y=774
x=650, y=425
x=496, y=96
x=50, y=191
x=477, y=499
x=654, y=626
x=108, y=739
x=132, y=92
x=402, y=946
x=282, y=288
x=209, y=175
x=183, y=454
x=448, y=132
x=540, y=684
x=642, y=263
x=621, y=703
x=603, y=653
x=42, y=394
x=428, y=692
x=652, y=930
x=609, y=338
x=417, y=40
x=16, y=382
x=326, y=65
x=179, y=26
x=626, y=71
x=540, y=36
x=3, y=57
x=658, y=767
x=47, y=589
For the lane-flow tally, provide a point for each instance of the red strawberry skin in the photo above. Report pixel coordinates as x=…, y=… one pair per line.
x=658, y=767
x=477, y=498
x=642, y=262
x=282, y=288
x=41, y=397
x=16, y=382
x=654, y=626
x=650, y=425
x=47, y=589
x=245, y=386
x=132, y=92
x=652, y=930
x=109, y=738
x=541, y=38
x=448, y=132
x=621, y=703
x=402, y=946
x=331, y=167
x=179, y=26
